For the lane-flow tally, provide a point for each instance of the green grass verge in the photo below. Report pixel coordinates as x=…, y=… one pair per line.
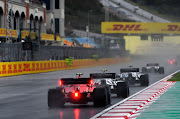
x=176, y=77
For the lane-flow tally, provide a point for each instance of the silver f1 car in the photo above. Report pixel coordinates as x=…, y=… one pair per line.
x=153, y=68
x=133, y=76
x=121, y=88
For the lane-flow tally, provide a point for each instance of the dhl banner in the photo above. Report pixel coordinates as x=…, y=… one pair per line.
x=140, y=28
x=3, y=33
x=27, y=67
x=47, y=36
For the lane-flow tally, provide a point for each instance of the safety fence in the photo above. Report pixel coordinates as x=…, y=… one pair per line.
x=28, y=67
x=14, y=52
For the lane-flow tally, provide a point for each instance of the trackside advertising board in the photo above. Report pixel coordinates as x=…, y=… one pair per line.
x=140, y=28
x=28, y=67
x=3, y=33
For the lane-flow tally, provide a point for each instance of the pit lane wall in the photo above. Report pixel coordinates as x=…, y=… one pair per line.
x=28, y=67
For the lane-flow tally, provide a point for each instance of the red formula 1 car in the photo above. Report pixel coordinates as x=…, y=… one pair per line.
x=78, y=91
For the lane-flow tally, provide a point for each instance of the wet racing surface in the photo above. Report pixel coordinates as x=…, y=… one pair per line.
x=25, y=97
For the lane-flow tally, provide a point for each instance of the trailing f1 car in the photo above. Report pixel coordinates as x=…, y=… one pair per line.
x=79, y=91
x=134, y=76
x=172, y=61
x=153, y=68
x=121, y=88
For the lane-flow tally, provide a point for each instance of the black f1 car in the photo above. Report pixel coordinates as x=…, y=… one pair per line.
x=121, y=88
x=79, y=91
x=153, y=68
x=134, y=76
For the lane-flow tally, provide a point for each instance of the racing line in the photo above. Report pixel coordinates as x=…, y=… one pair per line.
x=133, y=106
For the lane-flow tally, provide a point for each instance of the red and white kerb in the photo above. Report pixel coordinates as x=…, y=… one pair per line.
x=134, y=106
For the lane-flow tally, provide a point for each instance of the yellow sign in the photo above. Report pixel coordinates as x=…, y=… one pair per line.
x=58, y=38
x=3, y=33
x=25, y=34
x=47, y=36
x=140, y=28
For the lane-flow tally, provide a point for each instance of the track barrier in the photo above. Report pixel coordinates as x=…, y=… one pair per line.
x=28, y=67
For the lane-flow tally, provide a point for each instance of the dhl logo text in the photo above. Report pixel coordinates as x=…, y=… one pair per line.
x=133, y=27
x=172, y=28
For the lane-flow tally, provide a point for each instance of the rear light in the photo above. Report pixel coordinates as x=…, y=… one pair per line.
x=174, y=60
x=168, y=60
x=171, y=62
x=60, y=83
x=76, y=94
x=91, y=82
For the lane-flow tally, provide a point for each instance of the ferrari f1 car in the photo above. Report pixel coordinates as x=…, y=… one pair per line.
x=153, y=68
x=79, y=91
x=121, y=88
x=133, y=76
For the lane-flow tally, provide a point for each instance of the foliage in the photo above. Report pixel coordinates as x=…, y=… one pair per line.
x=76, y=12
x=83, y=5
x=164, y=7
x=95, y=57
x=176, y=77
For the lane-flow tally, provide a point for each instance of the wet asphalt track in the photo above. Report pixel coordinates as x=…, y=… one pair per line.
x=25, y=97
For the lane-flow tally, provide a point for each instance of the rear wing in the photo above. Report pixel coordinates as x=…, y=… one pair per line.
x=66, y=81
x=103, y=75
x=129, y=70
x=152, y=64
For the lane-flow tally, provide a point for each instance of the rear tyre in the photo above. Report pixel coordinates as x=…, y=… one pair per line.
x=144, y=80
x=122, y=89
x=100, y=97
x=161, y=70
x=108, y=94
x=56, y=98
